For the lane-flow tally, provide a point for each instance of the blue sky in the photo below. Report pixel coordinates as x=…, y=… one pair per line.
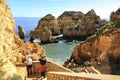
x=39, y=8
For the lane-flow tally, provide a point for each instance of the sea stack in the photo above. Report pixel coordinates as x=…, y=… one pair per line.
x=21, y=32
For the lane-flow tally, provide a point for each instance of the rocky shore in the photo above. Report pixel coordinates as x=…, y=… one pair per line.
x=102, y=37
x=102, y=49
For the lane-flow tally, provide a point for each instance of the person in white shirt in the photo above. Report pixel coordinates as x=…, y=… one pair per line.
x=29, y=64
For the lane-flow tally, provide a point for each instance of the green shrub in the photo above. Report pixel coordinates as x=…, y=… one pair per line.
x=87, y=64
x=78, y=70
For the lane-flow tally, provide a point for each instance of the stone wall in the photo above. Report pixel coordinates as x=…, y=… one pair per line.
x=80, y=76
x=52, y=66
x=58, y=72
x=68, y=76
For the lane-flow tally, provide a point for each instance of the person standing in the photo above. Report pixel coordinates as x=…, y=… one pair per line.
x=42, y=66
x=29, y=64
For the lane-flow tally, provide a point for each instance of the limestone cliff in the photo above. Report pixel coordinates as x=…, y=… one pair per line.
x=45, y=35
x=46, y=28
x=50, y=22
x=102, y=48
x=71, y=24
x=115, y=17
x=11, y=46
x=77, y=24
x=70, y=19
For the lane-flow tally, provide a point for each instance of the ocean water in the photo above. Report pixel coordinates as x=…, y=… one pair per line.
x=28, y=24
x=57, y=52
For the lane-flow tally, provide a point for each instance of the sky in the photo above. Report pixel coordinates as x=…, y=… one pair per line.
x=40, y=8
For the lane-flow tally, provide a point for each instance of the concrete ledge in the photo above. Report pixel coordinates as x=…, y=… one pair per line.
x=52, y=66
x=80, y=76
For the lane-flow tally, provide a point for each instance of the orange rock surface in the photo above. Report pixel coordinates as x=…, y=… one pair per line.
x=12, y=48
x=102, y=48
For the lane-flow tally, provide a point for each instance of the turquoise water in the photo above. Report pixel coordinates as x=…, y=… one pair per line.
x=57, y=52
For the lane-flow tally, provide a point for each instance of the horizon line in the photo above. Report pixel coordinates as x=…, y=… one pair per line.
x=44, y=16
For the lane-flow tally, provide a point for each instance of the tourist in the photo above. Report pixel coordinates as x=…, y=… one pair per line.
x=29, y=64
x=42, y=66
x=66, y=63
x=72, y=64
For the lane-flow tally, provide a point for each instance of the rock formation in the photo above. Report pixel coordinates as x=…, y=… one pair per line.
x=21, y=32
x=77, y=24
x=44, y=34
x=114, y=15
x=70, y=19
x=46, y=28
x=102, y=48
x=12, y=48
x=50, y=22
x=71, y=24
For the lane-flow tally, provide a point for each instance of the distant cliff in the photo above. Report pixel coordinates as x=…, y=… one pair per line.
x=46, y=28
x=78, y=24
x=71, y=24
x=50, y=22
x=68, y=18
x=12, y=48
x=102, y=48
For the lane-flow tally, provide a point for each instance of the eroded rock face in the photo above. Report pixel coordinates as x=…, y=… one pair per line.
x=71, y=24
x=102, y=48
x=7, y=27
x=44, y=34
x=117, y=22
x=70, y=19
x=21, y=32
x=12, y=48
x=114, y=15
x=77, y=24
x=47, y=27
x=50, y=22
